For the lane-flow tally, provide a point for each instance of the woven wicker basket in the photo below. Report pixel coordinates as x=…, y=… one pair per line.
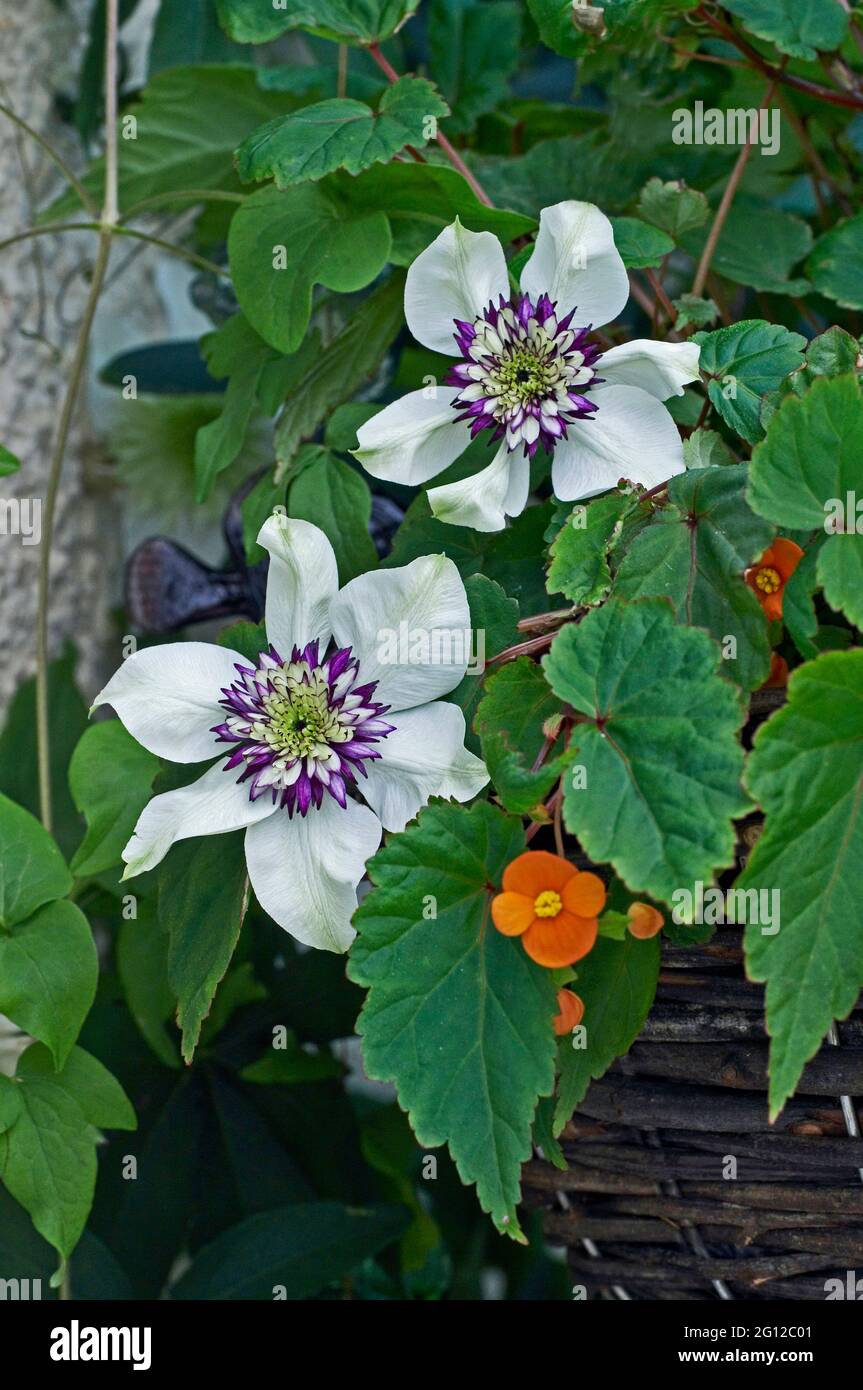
x=646, y=1210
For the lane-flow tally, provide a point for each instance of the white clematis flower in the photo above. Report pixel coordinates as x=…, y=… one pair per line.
x=345, y=700
x=528, y=373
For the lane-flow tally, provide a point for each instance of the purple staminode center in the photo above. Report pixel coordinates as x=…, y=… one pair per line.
x=523, y=373
x=302, y=727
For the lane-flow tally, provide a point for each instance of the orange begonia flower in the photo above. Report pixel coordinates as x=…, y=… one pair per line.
x=551, y=906
x=644, y=921
x=772, y=572
x=571, y=1012
x=778, y=678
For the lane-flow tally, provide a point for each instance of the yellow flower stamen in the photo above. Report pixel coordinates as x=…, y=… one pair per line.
x=768, y=580
x=547, y=903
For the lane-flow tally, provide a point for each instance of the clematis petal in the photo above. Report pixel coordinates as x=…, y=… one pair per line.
x=423, y=757
x=301, y=584
x=631, y=436
x=576, y=263
x=535, y=871
x=409, y=628
x=168, y=697
x=413, y=439
x=213, y=805
x=454, y=278
x=305, y=870
x=560, y=940
x=485, y=500
x=661, y=369
x=512, y=913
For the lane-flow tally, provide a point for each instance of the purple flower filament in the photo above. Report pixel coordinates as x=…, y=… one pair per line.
x=523, y=374
x=301, y=727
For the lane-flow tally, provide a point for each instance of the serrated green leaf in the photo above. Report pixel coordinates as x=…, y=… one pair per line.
x=803, y=473
x=340, y=134
x=616, y=983
x=338, y=370
x=744, y=362
x=658, y=745
x=350, y=21
x=692, y=309
x=579, y=553
x=639, y=243
x=835, y=266
x=32, y=869
x=706, y=449
x=672, y=206
x=111, y=778
x=48, y=975
x=797, y=27
x=695, y=552
x=759, y=247
x=283, y=242
x=509, y=720
x=458, y=1016
x=553, y=19
x=806, y=770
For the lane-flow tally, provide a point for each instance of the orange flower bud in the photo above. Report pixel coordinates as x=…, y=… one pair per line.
x=644, y=921
x=571, y=1012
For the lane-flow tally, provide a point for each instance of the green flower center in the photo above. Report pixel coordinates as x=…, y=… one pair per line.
x=297, y=719
x=524, y=377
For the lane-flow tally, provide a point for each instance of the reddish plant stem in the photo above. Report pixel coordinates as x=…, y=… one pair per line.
x=534, y=644
x=449, y=150
x=789, y=79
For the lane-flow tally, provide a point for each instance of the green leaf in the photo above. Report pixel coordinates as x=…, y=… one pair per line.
x=759, y=247
x=509, y=721
x=284, y=242
x=494, y=622
x=420, y=200
x=340, y=134
x=658, y=745
x=744, y=362
x=553, y=19
x=616, y=982
x=473, y=51
x=806, y=770
x=334, y=497
x=111, y=778
x=835, y=266
x=695, y=552
x=803, y=473
x=187, y=31
x=579, y=564
x=286, y=1066
x=458, y=1016
x=672, y=206
x=299, y=1249
x=798, y=27
x=142, y=964
x=237, y=352
x=189, y=121
x=203, y=894
x=639, y=243
x=691, y=309
x=32, y=869
x=48, y=1157
x=48, y=975
x=337, y=371
x=352, y=21
x=706, y=449
x=9, y=463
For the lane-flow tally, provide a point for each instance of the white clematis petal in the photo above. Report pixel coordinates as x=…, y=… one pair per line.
x=454, y=278
x=413, y=439
x=661, y=369
x=305, y=870
x=301, y=584
x=213, y=805
x=631, y=436
x=409, y=628
x=424, y=756
x=485, y=500
x=576, y=263
x=168, y=697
